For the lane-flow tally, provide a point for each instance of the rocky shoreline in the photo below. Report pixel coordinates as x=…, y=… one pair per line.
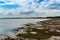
x=42, y=30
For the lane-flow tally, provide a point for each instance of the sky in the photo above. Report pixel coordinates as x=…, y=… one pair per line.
x=29, y=8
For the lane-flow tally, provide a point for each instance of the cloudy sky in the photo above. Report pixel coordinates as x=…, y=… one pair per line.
x=29, y=8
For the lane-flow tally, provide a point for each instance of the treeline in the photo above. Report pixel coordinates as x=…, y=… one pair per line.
x=30, y=17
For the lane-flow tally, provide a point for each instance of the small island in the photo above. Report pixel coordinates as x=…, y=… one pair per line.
x=42, y=30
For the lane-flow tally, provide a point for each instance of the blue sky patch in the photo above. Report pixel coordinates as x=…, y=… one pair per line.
x=38, y=1
x=54, y=6
x=1, y=2
x=9, y=6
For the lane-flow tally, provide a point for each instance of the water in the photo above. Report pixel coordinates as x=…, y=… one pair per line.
x=8, y=24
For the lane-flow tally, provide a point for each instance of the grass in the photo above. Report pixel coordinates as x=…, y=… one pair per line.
x=40, y=34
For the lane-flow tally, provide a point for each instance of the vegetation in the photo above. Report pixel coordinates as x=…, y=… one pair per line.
x=41, y=33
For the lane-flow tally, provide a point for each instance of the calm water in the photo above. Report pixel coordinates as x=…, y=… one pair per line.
x=8, y=24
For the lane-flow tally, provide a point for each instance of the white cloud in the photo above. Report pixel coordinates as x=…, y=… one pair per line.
x=39, y=9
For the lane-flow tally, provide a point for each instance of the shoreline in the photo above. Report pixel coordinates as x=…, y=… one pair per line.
x=17, y=28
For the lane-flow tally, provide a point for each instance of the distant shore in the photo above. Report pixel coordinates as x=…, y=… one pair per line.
x=30, y=17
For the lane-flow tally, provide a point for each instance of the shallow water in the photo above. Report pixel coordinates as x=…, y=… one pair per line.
x=8, y=24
